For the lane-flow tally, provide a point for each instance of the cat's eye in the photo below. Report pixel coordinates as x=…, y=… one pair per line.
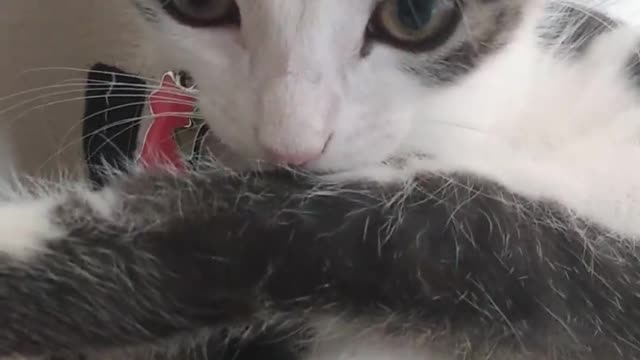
x=414, y=24
x=202, y=13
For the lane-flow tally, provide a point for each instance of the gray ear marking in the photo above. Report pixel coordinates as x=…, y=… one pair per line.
x=573, y=28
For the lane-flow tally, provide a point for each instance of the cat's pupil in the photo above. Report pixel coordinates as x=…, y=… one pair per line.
x=415, y=14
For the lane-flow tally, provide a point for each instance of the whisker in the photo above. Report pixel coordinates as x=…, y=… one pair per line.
x=63, y=148
x=90, y=86
x=108, y=140
x=85, y=88
x=101, y=112
x=58, y=93
x=81, y=70
x=121, y=122
x=138, y=86
x=40, y=88
x=79, y=98
x=48, y=95
x=95, y=132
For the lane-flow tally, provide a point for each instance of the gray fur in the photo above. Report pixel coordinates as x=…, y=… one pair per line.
x=490, y=273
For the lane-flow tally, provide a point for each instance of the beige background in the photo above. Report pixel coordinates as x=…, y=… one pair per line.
x=38, y=34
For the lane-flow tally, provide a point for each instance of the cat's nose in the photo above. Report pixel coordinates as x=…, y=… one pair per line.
x=297, y=117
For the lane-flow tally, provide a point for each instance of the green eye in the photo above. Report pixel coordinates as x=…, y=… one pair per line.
x=414, y=22
x=201, y=13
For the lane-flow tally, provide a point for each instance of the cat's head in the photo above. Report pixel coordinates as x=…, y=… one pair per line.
x=329, y=84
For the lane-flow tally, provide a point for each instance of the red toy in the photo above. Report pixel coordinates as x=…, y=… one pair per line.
x=171, y=107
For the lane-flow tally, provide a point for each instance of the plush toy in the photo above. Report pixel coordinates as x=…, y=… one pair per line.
x=125, y=121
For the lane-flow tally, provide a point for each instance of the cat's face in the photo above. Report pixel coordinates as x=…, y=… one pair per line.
x=328, y=84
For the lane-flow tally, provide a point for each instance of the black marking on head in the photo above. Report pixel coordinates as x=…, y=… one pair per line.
x=573, y=29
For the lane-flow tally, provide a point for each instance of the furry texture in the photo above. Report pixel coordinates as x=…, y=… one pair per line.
x=479, y=200
x=439, y=264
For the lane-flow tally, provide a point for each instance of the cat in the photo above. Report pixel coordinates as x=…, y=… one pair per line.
x=453, y=180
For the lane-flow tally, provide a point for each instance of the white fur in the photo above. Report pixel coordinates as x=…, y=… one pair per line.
x=27, y=216
x=310, y=74
x=102, y=202
x=26, y=227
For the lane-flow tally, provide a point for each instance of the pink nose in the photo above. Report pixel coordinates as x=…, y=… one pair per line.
x=292, y=158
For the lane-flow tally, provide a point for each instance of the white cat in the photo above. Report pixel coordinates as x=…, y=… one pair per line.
x=470, y=190
x=489, y=98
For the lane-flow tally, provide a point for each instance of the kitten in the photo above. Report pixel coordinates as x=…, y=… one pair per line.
x=465, y=187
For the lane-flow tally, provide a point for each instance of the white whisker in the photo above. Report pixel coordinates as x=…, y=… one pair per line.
x=62, y=68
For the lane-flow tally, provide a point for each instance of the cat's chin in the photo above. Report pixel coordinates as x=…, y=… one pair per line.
x=381, y=172
x=241, y=164
x=224, y=155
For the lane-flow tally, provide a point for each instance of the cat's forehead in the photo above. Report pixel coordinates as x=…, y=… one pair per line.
x=331, y=21
x=284, y=7
x=295, y=15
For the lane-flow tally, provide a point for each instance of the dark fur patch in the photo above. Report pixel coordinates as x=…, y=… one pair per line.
x=465, y=259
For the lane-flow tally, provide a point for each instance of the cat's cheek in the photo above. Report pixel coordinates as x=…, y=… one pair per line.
x=368, y=140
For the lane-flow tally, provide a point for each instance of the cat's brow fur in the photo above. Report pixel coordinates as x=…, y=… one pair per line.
x=487, y=209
